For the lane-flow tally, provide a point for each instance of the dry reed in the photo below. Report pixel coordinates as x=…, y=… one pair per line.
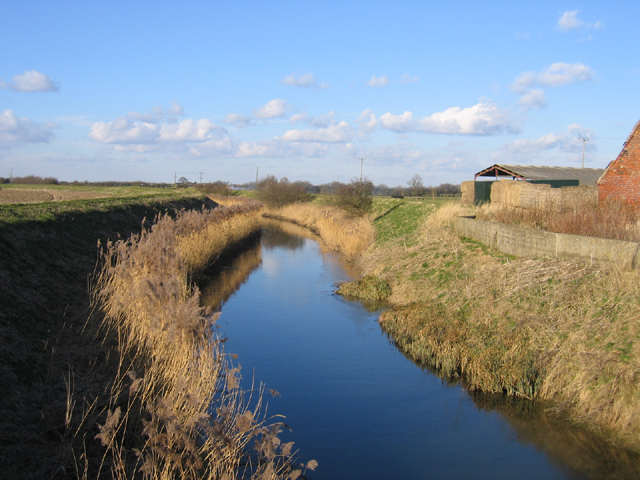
x=176, y=409
x=348, y=235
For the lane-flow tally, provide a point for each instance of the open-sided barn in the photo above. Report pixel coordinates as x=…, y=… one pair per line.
x=556, y=177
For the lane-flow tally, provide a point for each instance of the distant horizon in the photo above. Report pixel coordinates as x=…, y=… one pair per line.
x=306, y=90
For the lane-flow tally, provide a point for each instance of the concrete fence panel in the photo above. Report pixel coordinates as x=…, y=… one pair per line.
x=532, y=243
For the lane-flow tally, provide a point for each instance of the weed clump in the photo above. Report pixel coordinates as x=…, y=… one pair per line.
x=368, y=288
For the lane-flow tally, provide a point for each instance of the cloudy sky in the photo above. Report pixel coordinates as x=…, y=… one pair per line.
x=141, y=90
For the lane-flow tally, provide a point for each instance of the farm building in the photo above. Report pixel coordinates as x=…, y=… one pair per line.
x=479, y=191
x=621, y=179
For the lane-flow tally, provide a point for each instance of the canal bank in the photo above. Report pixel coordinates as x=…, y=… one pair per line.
x=89, y=381
x=546, y=330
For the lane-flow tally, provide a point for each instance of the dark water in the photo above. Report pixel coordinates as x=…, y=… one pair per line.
x=356, y=405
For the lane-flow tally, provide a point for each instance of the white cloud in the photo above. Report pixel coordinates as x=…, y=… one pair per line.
x=533, y=99
x=524, y=150
x=238, y=120
x=557, y=74
x=367, y=121
x=175, y=109
x=381, y=81
x=320, y=121
x=397, y=154
x=277, y=148
x=569, y=21
x=31, y=81
x=15, y=131
x=398, y=123
x=125, y=134
x=307, y=80
x=158, y=114
x=406, y=78
x=272, y=109
x=481, y=119
x=338, y=133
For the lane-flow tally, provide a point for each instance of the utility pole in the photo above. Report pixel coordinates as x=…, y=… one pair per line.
x=584, y=141
x=361, y=164
x=257, y=168
x=200, y=173
x=11, y=176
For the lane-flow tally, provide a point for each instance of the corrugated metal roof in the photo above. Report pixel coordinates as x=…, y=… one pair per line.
x=586, y=176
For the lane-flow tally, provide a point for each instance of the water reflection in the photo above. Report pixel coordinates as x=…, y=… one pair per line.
x=566, y=444
x=228, y=274
x=583, y=453
x=356, y=404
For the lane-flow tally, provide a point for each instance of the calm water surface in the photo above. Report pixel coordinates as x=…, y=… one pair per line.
x=356, y=404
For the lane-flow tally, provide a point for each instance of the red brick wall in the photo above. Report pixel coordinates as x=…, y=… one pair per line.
x=621, y=180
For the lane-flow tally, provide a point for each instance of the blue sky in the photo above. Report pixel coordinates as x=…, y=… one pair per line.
x=142, y=90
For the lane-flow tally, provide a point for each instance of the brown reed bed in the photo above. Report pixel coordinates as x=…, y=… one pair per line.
x=544, y=330
x=174, y=408
x=351, y=236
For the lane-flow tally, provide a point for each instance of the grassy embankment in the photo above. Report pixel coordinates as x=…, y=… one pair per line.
x=540, y=329
x=132, y=387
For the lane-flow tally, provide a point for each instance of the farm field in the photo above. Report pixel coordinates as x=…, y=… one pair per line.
x=15, y=193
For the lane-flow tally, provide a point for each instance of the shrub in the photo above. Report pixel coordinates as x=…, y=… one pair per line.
x=276, y=193
x=356, y=198
x=215, y=188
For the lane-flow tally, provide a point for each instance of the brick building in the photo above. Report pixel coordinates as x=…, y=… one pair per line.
x=621, y=179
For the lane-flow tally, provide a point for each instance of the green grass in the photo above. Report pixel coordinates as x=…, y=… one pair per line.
x=47, y=211
x=398, y=219
x=115, y=191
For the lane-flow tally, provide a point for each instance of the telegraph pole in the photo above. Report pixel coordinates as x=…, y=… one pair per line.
x=257, y=168
x=584, y=141
x=201, y=173
x=361, y=164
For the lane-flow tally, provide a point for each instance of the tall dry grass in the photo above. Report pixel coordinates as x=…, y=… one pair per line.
x=176, y=409
x=351, y=236
x=609, y=220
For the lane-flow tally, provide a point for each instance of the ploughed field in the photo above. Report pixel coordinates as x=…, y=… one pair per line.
x=24, y=195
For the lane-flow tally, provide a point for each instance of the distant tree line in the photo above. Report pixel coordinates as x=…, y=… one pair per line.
x=31, y=180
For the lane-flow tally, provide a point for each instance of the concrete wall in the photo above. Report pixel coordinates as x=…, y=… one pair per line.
x=531, y=243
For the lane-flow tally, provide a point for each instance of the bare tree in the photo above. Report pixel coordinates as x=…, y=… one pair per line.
x=416, y=186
